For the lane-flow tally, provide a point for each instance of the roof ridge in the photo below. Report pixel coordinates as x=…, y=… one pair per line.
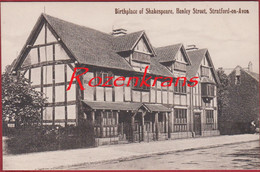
x=141, y=31
x=251, y=74
x=168, y=45
x=56, y=18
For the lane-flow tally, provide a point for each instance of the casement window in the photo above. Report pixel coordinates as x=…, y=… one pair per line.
x=180, y=66
x=180, y=120
x=136, y=84
x=141, y=57
x=179, y=88
x=109, y=118
x=210, y=119
x=204, y=71
x=207, y=90
x=105, y=76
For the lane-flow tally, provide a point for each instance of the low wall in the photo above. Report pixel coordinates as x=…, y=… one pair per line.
x=179, y=135
x=106, y=141
x=210, y=133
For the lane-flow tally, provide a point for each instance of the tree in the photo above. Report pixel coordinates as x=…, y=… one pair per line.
x=222, y=91
x=20, y=102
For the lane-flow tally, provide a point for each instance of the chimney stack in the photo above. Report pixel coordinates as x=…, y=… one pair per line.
x=191, y=47
x=250, y=66
x=119, y=32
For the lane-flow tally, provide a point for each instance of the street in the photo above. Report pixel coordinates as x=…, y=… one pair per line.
x=235, y=156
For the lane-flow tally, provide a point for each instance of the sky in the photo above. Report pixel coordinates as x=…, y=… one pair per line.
x=232, y=39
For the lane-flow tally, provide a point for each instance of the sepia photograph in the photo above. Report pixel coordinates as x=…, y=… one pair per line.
x=130, y=85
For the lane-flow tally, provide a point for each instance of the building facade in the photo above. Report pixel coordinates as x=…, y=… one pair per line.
x=128, y=113
x=243, y=102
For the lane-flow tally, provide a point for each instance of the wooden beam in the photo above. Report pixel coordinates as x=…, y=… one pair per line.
x=133, y=127
x=56, y=84
x=156, y=126
x=53, y=86
x=48, y=63
x=65, y=95
x=93, y=117
x=44, y=45
x=101, y=124
x=30, y=73
x=117, y=118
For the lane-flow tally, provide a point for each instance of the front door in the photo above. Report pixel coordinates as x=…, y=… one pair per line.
x=197, y=124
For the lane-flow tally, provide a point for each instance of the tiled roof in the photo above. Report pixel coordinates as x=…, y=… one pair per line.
x=96, y=48
x=89, y=46
x=254, y=75
x=127, y=106
x=158, y=69
x=167, y=54
x=126, y=42
x=113, y=105
x=196, y=57
x=156, y=108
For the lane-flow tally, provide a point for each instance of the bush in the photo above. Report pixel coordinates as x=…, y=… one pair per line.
x=50, y=138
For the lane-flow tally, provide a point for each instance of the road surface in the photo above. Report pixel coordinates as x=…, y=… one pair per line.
x=236, y=156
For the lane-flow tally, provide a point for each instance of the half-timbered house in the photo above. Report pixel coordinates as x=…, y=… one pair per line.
x=126, y=113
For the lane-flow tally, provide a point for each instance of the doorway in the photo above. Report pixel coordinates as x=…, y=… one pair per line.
x=197, y=124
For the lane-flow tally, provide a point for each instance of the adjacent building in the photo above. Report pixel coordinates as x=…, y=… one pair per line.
x=126, y=113
x=243, y=102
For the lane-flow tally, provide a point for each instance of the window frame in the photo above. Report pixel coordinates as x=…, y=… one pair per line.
x=103, y=75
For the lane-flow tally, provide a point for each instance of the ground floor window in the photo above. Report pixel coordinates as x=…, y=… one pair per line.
x=180, y=120
x=109, y=126
x=209, y=119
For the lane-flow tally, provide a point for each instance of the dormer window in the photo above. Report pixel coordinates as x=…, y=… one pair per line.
x=179, y=66
x=141, y=57
x=205, y=71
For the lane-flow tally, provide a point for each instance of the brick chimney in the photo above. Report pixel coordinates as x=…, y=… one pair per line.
x=191, y=47
x=119, y=32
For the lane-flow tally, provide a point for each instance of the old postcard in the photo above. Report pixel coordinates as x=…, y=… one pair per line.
x=130, y=85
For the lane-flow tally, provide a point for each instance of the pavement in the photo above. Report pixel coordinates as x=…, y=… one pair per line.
x=76, y=157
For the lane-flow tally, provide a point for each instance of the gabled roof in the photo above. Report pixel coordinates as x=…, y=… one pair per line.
x=168, y=53
x=252, y=74
x=91, y=47
x=127, y=106
x=126, y=42
x=88, y=46
x=158, y=69
x=196, y=57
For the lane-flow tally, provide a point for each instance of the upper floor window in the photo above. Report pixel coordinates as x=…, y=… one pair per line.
x=207, y=90
x=204, y=71
x=180, y=66
x=105, y=76
x=137, y=82
x=180, y=88
x=141, y=57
